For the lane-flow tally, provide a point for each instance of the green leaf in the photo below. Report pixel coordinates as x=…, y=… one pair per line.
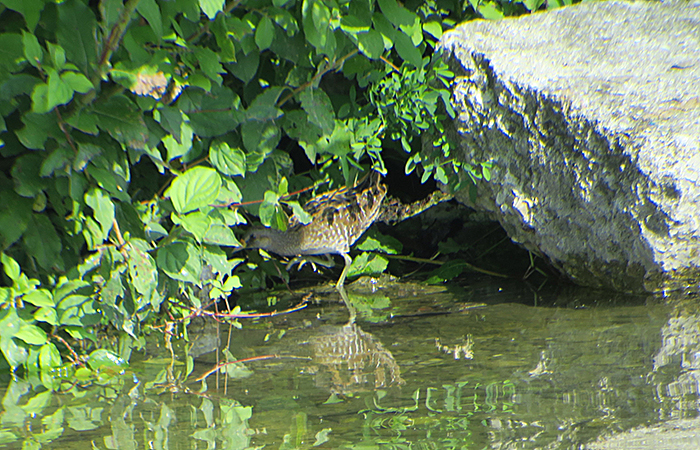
x=49, y=357
x=285, y=20
x=40, y=98
x=123, y=121
x=318, y=106
x=406, y=50
x=434, y=29
x=11, y=56
x=80, y=333
x=38, y=128
x=229, y=161
x=267, y=208
x=229, y=193
x=143, y=273
x=58, y=56
x=85, y=122
x=219, y=113
x=447, y=271
x=59, y=93
x=299, y=212
x=211, y=7
x=77, y=82
x=58, y=162
x=31, y=334
x=316, y=18
x=260, y=139
x=15, y=355
x=150, y=11
x=210, y=64
x=179, y=147
x=67, y=287
x=385, y=28
x=490, y=11
x=371, y=44
x=102, y=359
x=14, y=219
x=197, y=223
x=378, y=242
x=397, y=15
x=43, y=244
x=10, y=266
x=27, y=181
x=264, y=107
x=39, y=297
x=103, y=209
x=264, y=33
x=109, y=181
x=30, y=9
x=367, y=264
x=246, y=66
x=32, y=49
x=37, y=403
x=47, y=315
x=180, y=261
x=196, y=188
x=76, y=33
x=221, y=234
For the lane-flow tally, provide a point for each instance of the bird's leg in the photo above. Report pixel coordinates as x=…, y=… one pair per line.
x=341, y=280
x=340, y=286
x=301, y=261
x=346, y=300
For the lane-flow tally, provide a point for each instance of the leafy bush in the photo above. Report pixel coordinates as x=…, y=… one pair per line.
x=129, y=129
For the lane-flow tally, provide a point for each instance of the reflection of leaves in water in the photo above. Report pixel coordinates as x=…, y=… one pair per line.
x=322, y=436
x=372, y=308
x=235, y=370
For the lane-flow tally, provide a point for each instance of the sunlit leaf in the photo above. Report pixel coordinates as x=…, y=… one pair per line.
x=10, y=266
x=194, y=189
x=143, y=273
x=76, y=82
x=31, y=334
x=229, y=161
x=371, y=44
x=196, y=222
x=433, y=28
x=39, y=297
x=46, y=314
x=103, y=209
x=367, y=264
x=211, y=7
x=316, y=19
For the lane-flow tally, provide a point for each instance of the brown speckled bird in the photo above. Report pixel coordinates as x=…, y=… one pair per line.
x=338, y=219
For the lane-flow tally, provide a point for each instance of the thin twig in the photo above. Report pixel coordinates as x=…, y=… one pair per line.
x=254, y=358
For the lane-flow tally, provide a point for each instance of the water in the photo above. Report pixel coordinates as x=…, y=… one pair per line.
x=475, y=368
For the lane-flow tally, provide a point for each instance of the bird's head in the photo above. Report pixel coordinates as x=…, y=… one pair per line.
x=257, y=238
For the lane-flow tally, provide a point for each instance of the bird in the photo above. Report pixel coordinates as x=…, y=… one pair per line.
x=338, y=218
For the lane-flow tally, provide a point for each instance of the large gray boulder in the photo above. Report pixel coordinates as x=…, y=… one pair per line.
x=591, y=115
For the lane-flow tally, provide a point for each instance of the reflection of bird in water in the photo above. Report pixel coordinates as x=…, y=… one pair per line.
x=338, y=219
x=349, y=350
